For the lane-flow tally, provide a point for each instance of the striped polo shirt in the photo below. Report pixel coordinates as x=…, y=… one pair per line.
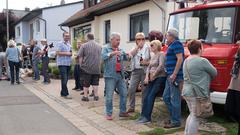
x=90, y=52
x=171, y=59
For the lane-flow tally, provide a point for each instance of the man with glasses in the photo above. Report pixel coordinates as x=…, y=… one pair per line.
x=140, y=56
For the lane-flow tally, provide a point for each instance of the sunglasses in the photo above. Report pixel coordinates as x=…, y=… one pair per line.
x=138, y=39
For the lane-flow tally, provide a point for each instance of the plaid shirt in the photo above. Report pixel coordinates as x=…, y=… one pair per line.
x=64, y=60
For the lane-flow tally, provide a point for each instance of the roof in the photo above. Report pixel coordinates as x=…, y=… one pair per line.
x=209, y=5
x=36, y=12
x=105, y=6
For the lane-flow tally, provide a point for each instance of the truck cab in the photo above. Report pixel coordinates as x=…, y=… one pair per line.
x=217, y=24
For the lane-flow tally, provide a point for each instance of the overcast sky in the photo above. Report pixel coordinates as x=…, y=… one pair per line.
x=32, y=4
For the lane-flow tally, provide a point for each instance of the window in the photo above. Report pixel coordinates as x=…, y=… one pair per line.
x=139, y=23
x=18, y=31
x=107, y=31
x=80, y=32
x=38, y=25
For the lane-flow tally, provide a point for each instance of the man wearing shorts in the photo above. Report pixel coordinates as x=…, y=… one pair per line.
x=89, y=60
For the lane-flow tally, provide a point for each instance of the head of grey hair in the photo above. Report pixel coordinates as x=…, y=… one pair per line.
x=114, y=34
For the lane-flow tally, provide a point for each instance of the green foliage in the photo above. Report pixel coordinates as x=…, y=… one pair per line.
x=40, y=66
x=55, y=71
x=74, y=45
x=71, y=70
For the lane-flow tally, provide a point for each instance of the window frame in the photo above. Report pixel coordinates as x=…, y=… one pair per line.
x=82, y=28
x=107, y=34
x=131, y=16
x=38, y=25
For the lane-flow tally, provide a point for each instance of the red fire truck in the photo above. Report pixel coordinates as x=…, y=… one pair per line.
x=217, y=24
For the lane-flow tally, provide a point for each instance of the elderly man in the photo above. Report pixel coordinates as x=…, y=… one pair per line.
x=89, y=60
x=172, y=92
x=64, y=54
x=45, y=61
x=113, y=58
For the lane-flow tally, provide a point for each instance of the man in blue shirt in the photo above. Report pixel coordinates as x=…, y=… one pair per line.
x=64, y=54
x=172, y=92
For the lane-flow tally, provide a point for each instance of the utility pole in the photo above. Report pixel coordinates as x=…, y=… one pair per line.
x=7, y=20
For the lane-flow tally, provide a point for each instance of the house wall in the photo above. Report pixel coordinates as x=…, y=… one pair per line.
x=19, y=39
x=55, y=16
x=120, y=21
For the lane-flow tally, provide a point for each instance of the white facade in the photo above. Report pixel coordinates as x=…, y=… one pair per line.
x=120, y=21
x=53, y=16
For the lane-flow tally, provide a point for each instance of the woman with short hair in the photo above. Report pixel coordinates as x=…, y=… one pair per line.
x=197, y=73
x=154, y=80
x=13, y=57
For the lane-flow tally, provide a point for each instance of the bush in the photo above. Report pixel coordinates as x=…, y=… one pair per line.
x=55, y=71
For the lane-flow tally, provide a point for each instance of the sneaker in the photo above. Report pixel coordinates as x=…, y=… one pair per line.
x=96, y=98
x=171, y=125
x=124, y=114
x=67, y=97
x=109, y=117
x=92, y=94
x=17, y=82
x=82, y=93
x=45, y=83
x=85, y=99
x=130, y=110
x=143, y=120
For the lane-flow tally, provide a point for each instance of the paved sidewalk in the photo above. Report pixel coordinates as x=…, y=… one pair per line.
x=87, y=116
x=23, y=113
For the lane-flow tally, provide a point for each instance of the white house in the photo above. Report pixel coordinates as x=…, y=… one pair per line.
x=44, y=23
x=101, y=17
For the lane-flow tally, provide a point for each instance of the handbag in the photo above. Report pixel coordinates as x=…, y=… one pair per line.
x=204, y=107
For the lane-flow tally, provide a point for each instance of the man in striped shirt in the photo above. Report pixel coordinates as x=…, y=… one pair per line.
x=172, y=93
x=89, y=60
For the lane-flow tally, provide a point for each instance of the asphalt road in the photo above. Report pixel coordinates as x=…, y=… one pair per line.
x=23, y=113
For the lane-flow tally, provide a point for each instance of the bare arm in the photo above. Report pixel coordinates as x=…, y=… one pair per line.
x=177, y=67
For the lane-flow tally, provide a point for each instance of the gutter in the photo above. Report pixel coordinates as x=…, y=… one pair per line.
x=45, y=24
x=163, y=16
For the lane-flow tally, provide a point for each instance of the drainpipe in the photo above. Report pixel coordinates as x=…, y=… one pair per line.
x=45, y=24
x=163, y=16
x=61, y=27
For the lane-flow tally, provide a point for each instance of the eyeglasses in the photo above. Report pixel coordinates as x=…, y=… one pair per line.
x=138, y=39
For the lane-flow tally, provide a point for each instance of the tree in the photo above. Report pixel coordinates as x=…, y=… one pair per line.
x=3, y=28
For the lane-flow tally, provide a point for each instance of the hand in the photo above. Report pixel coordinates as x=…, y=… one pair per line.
x=118, y=53
x=172, y=77
x=152, y=76
x=144, y=62
x=146, y=80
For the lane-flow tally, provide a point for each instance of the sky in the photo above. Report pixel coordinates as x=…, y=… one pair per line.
x=32, y=4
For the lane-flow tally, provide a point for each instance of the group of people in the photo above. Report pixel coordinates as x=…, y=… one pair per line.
x=157, y=72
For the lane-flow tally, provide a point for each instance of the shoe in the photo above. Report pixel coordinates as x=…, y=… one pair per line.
x=171, y=125
x=109, y=117
x=96, y=98
x=82, y=93
x=124, y=114
x=75, y=88
x=85, y=99
x=12, y=83
x=143, y=120
x=45, y=83
x=67, y=97
x=130, y=110
x=18, y=82
x=92, y=94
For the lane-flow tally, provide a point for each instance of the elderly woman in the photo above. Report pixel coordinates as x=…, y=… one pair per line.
x=155, y=78
x=232, y=105
x=13, y=57
x=198, y=73
x=140, y=55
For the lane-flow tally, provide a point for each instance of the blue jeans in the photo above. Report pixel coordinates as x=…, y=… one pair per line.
x=77, y=75
x=64, y=72
x=172, y=99
x=151, y=92
x=110, y=85
x=14, y=65
x=35, y=69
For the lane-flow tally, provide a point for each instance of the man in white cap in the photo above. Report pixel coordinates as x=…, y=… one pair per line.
x=45, y=61
x=173, y=64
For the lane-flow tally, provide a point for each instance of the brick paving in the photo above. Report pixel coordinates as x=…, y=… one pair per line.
x=87, y=116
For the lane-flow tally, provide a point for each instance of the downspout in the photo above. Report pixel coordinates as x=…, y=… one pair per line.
x=45, y=24
x=61, y=27
x=163, y=16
